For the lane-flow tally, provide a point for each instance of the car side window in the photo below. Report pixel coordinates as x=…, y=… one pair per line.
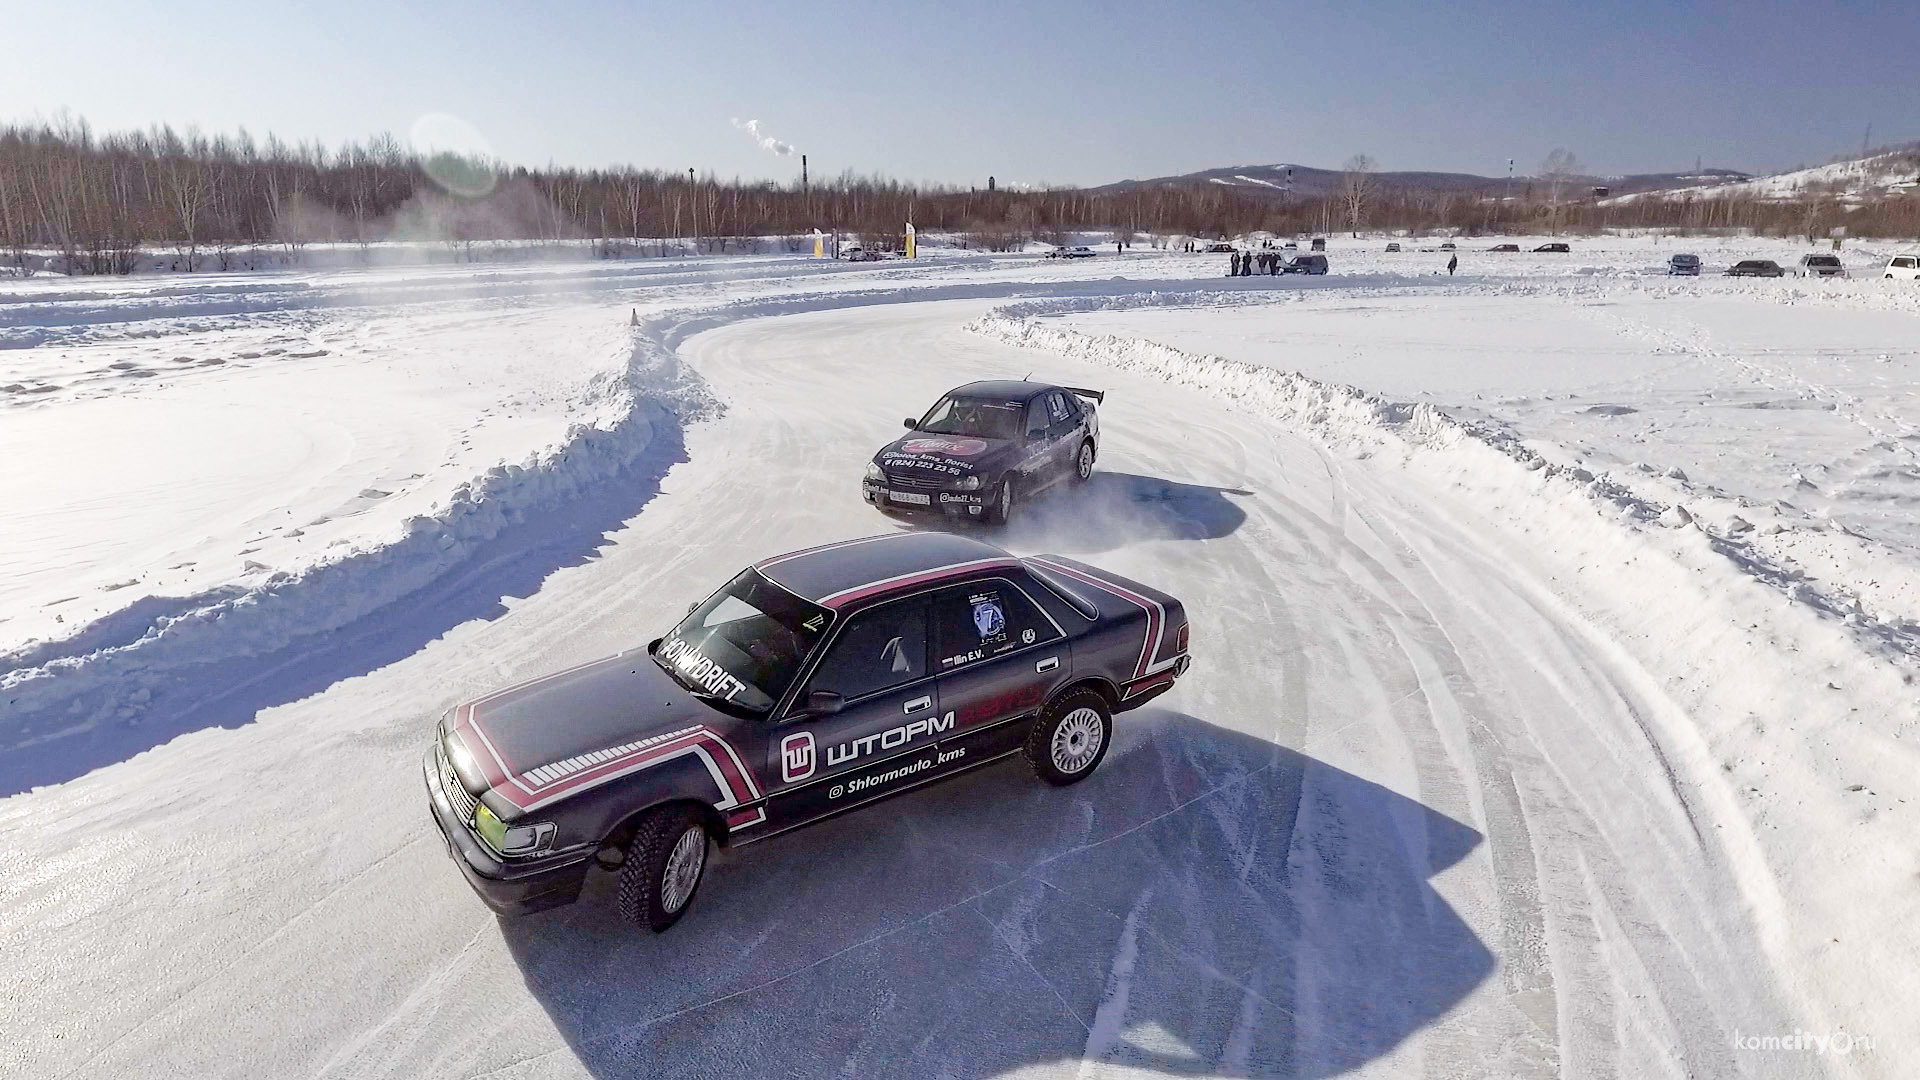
x=1057, y=408
x=878, y=649
x=1036, y=417
x=984, y=619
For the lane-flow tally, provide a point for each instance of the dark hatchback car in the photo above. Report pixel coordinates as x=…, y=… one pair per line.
x=1305, y=264
x=811, y=684
x=1756, y=268
x=1504, y=247
x=1552, y=249
x=984, y=448
x=1683, y=266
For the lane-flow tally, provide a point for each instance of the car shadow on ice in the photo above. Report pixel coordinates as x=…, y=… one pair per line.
x=1208, y=902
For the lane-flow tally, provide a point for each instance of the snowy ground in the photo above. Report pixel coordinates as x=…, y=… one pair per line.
x=1484, y=769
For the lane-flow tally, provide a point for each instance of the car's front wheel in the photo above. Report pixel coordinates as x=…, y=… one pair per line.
x=1069, y=738
x=1001, y=510
x=663, y=867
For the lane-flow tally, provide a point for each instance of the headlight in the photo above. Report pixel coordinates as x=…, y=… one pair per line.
x=968, y=483
x=511, y=840
x=873, y=471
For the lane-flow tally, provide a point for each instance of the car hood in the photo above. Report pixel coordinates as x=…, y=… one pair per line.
x=561, y=717
x=935, y=457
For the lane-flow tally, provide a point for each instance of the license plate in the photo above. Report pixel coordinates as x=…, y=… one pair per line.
x=913, y=497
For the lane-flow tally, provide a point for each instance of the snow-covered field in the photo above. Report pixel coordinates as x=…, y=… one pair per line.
x=1553, y=716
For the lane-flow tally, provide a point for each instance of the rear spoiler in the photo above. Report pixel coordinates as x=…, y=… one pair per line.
x=1099, y=396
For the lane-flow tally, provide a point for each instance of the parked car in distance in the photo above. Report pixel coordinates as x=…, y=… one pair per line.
x=1504, y=247
x=1219, y=247
x=1756, y=268
x=1075, y=251
x=1448, y=246
x=1683, y=266
x=1903, y=267
x=1820, y=266
x=860, y=254
x=1552, y=249
x=1319, y=244
x=1290, y=246
x=1393, y=247
x=1305, y=264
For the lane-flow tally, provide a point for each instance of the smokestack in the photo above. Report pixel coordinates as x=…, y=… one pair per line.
x=803, y=174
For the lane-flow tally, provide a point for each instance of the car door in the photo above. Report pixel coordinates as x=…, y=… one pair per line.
x=998, y=658
x=1036, y=450
x=887, y=724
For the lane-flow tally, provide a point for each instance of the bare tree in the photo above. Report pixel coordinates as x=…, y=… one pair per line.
x=1356, y=189
x=1559, y=169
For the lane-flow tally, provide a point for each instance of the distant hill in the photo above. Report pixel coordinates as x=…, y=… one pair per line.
x=1886, y=172
x=1309, y=182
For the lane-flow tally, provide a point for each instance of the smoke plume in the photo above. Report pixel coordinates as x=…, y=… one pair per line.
x=766, y=141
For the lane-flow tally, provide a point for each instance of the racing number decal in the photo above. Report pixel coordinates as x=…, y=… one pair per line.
x=797, y=759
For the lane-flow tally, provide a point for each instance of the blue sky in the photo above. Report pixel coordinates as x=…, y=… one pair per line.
x=1031, y=92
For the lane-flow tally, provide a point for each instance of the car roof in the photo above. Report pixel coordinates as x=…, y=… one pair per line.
x=1010, y=389
x=837, y=575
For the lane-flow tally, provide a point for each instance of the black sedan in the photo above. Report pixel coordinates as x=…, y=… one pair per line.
x=984, y=448
x=812, y=683
x=1756, y=268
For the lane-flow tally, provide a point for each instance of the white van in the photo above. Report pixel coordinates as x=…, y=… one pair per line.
x=1905, y=267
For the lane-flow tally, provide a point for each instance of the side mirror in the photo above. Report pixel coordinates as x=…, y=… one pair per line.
x=824, y=703
x=910, y=423
x=691, y=606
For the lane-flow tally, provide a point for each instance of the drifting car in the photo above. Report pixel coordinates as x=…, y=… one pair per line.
x=1905, y=267
x=810, y=684
x=1683, y=266
x=1820, y=266
x=1756, y=268
x=1504, y=247
x=1552, y=249
x=861, y=255
x=1305, y=264
x=984, y=448
x=1392, y=248
x=1078, y=251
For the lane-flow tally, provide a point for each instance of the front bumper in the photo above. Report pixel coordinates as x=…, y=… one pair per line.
x=970, y=505
x=518, y=888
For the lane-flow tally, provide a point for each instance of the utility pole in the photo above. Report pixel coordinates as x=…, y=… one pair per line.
x=806, y=193
x=693, y=196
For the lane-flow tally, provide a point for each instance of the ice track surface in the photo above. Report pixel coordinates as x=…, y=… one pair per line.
x=1401, y=819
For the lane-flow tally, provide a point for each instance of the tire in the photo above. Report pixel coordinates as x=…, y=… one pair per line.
x=655, y=889
x=1002, y=509
x=1083, y=462
x=1069, y=738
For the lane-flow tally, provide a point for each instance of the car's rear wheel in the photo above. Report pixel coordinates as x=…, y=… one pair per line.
x=1083, y=462
x=663, y=868
x=1069, y=738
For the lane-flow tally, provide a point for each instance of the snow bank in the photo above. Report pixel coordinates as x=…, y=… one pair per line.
x=1879, y=604
x=122, y=667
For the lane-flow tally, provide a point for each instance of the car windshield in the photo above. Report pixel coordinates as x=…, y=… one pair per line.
x=745, y=644
x=981, y=418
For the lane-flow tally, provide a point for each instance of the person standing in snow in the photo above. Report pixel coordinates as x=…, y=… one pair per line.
x=1452, y=261
x=1233, y=264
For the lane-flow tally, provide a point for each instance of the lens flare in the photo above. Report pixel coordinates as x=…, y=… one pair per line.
x=454, y=154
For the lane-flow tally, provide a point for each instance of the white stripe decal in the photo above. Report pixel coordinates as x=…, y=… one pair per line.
x=1156, y=613
x=950, y=568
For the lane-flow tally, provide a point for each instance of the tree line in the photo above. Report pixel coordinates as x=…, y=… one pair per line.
x=100, y=203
